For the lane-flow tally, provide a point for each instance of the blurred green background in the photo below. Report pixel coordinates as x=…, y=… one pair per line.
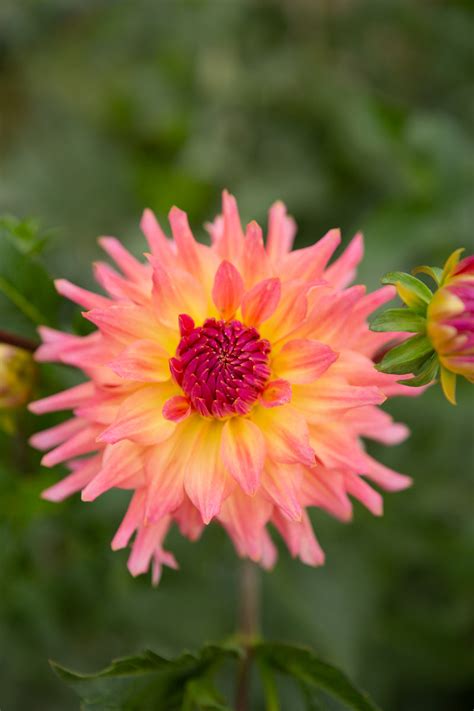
x=355, y=113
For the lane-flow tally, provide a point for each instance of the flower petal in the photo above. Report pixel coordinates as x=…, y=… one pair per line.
x=276, y=393
x=300, y=539
x=261, y=301
x=84, y=298
x=281, y=232
x=282, y=484
x=243, y=452
x=255, y=263
x=206, y=480
x=165, y=468
x=286, y=434
x=65, y=400
x=140, y=417
x=130, y=266
x=143, y=361
x=177, y=408
x=303, y=360
x=120, y=463
x=308, y=264
x=228, y=290
x=245, y=518
x=82, y=442
x=160, y=245
x=342, y=271
x=74, y=482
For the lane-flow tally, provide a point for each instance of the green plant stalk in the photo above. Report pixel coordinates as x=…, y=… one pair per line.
x=249, y=628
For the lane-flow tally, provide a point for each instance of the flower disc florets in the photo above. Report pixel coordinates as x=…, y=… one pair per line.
x=232, y=382
x=221, y=366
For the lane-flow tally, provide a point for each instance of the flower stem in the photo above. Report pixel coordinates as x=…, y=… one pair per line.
x=12, y=339
x=249, y=627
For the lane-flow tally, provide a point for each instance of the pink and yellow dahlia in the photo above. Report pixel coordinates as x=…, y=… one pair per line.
x=230, y=382
x=450, y=322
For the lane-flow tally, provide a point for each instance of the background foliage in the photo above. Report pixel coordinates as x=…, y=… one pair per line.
x=356, y=113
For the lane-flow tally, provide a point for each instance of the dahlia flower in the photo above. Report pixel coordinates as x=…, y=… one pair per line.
x=230, y=382
x=450, y=322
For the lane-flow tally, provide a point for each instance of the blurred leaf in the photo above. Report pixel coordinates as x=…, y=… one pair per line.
x=147, y=682
x=303, y=665
x=398, y=320
x=25, y=235
x=406, y=357
x=201, y=694
x=25, y=283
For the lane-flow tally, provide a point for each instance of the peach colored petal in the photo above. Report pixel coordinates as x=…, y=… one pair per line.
x=228, y=290
x=286, y=434
x=140, y=417
x=74, y=482
x=82, y=442
x=303, y=360
x=130, y=266
x=276, y=393
x=243, y=452
x=261, y=301
x=177, y=408
x=281, y=232
x=255, y=262
x=282, y=484
x=309, y=263
x=343, y=270
x=143, y=361
x=120, y=463
x=206, y=481
x=86, y=299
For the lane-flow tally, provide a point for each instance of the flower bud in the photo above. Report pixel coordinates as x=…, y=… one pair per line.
x=17, y=374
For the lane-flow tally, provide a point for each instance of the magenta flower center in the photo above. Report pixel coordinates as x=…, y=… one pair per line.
x=221, y=366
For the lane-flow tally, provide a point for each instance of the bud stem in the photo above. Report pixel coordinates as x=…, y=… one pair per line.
x=12, y=339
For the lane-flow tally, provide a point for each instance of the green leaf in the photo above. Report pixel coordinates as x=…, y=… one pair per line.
x=301, y=664
x=399, y=320
x=272, y=702
x=147, y=681
x=407, y=357
x=425, y=374
x=411, y=290
x=25, y=235
x=201, y=694
x=27, y=294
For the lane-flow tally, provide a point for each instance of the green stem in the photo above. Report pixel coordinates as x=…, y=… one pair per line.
x=249, y=627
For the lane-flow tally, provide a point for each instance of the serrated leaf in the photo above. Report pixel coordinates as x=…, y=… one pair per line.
x=411, y=290
x=399, y=320
x=304, y=666
x=407, y=357
x=147, y=681
x=425, y=374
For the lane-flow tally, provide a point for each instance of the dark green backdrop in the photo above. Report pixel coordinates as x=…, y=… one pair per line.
x=357, y=114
